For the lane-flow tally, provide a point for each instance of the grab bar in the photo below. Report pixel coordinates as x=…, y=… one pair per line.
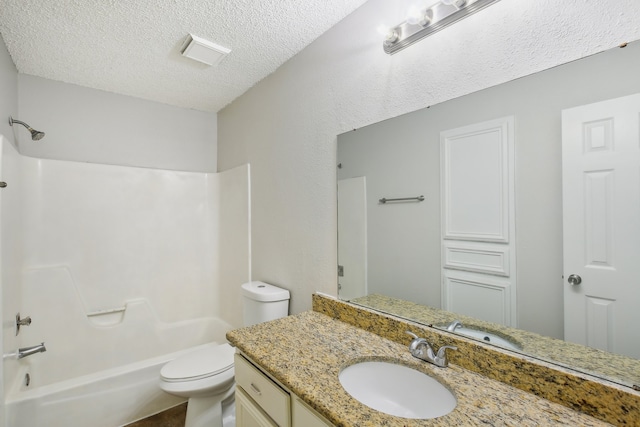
x=402, y=199
x=107, y=311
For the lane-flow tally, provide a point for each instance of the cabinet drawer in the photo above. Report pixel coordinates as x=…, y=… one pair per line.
x=271, y=398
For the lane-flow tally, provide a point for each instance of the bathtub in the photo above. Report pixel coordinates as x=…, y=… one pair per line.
x=110, y=398
x=121, y=269
x=102, y=368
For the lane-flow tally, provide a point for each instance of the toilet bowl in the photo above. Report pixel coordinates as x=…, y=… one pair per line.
x=206, y=376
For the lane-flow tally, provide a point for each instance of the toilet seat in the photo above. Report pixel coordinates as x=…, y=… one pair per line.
x=199, y=364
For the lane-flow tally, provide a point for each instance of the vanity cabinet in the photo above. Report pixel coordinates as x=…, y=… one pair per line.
x=260, y=402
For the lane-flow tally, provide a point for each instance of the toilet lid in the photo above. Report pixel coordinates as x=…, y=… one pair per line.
x=199, y=364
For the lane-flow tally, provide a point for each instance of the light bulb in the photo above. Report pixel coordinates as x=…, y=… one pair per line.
x=383, y=30
x=414, y=15
x=390, y=35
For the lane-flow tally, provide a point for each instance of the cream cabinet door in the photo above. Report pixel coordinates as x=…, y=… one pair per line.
x=248, y=414
x=303, y=416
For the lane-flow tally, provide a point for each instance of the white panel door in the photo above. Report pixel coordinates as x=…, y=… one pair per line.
x=352, y=238
x=601, y=204
x=478, y=221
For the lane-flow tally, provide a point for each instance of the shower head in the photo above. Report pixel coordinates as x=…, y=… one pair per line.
x=36, y=135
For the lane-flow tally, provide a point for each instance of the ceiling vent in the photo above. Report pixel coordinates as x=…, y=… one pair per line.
x=204, y=51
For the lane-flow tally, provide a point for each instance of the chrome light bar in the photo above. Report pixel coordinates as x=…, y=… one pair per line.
x=429, y=21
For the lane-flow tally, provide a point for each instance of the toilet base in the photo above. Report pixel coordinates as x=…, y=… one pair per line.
x=211, y=411
x=229, y=414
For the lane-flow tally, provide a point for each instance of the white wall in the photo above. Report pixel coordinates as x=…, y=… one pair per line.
x=124, y=233
x=90, y=125
x=9, y=248
x=11, y=258
x=286, y=125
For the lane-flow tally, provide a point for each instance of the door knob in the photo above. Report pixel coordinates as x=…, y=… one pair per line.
x=574, y=279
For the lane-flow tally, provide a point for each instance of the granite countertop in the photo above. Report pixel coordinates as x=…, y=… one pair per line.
x=306, y=352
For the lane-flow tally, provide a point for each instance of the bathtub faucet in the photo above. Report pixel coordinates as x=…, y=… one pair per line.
x=28, y=351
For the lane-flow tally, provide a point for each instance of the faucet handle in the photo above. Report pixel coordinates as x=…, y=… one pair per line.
x=418, y=346
x=22, y=322
x=441, y=356
x=454, y=325
x=416, y=340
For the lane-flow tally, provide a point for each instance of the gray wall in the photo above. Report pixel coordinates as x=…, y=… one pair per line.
x=90, y=125
x=403, y=249
x=8, y=90
x=412, y=141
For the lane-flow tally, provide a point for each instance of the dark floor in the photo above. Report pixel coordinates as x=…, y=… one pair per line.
x=173, y=417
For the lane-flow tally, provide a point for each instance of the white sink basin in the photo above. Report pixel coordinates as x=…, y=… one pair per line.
x=397, y=390
x=488, y=337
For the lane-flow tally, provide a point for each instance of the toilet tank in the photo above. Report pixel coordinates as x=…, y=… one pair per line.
x=263, y=302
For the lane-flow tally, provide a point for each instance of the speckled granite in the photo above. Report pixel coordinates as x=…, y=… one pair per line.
x=620, y=369
x=306, y=352
x=604, y=400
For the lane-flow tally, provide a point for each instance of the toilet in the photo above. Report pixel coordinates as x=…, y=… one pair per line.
x=206, y=376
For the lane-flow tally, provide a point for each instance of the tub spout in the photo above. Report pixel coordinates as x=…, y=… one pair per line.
x=28, y=351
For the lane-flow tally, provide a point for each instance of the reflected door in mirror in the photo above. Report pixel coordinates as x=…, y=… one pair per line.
x=478, y=215
x=352, y=237
x=601, y=184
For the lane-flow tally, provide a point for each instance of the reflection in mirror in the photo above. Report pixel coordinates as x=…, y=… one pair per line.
x=442, y=253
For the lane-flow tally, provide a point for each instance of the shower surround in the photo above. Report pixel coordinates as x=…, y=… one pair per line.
x=120, y=269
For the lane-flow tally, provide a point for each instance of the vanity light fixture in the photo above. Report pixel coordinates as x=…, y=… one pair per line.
x=423, y=22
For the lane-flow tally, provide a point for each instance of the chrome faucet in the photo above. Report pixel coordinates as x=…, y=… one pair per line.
x=28, y=351
x=421, y=349
x=454, y=325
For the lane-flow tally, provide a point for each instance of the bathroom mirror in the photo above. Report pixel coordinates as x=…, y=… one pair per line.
x=390, y=251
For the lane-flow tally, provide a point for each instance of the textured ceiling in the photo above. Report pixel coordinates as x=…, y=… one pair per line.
x=133, y=47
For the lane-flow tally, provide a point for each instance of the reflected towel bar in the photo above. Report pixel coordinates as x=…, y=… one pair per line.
x=108, y=311
x=402, y=199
